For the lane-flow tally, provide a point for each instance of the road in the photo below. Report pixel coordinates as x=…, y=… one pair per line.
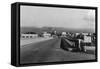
x=49, y=51
x=34, y=40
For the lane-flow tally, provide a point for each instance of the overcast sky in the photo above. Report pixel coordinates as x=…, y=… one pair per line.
x=33, y=16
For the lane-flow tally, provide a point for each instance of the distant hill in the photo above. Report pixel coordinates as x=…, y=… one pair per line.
x=50, y=29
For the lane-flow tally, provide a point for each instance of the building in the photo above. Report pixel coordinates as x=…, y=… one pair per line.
x=45, y=34
x=85, y=33
x=29, y=35
x=63, y=34
x=87, y=39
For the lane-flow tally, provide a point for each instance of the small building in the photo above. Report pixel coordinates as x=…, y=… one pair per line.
x=63, y=34
x=85, y=33
x=45, y=34
x=87, y=39
x=29, y=35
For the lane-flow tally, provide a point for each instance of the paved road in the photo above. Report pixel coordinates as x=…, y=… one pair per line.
x=49, y=51
x=33, y=40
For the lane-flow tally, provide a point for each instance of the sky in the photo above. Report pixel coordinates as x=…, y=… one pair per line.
x=35, y=16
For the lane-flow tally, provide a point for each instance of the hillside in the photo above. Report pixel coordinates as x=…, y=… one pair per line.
x=50, y=29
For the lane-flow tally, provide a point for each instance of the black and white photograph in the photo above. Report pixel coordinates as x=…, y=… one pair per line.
x=55, y=34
